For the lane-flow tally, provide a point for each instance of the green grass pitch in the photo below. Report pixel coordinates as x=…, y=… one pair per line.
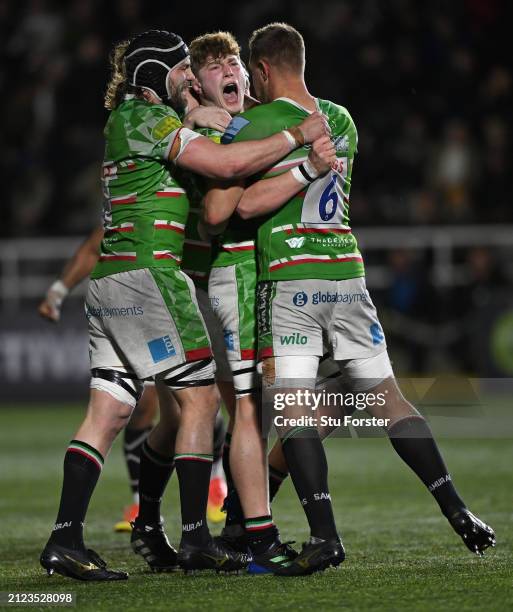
x=401, y=553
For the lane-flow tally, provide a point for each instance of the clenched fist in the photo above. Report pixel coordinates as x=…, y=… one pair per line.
x=322, y=155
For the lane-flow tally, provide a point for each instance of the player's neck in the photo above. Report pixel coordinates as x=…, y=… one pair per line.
x=295, y=89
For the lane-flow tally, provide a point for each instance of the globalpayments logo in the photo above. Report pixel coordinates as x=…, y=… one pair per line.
x=328, y=297
x=102, y=312
x=296, y=243
x=300, y=299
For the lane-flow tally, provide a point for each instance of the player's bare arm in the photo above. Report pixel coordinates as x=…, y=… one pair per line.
x=238, y=160
x=78, y=267
x=267, y=195
x=219, y=204
x=264, y=196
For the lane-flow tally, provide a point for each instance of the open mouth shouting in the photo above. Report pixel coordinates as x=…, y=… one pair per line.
x=231, y=93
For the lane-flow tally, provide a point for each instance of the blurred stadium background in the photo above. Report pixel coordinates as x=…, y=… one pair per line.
x=429, y=85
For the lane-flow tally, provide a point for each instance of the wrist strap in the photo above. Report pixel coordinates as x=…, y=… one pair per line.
x=301, y=174
x=309, y=170
x=298, y=135
x=59, y=288
x=290, y=139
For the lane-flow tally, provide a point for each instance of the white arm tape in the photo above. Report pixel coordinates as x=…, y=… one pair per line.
x=296, y=173
x=186, y=136
x=59, y=288
x=310, y=169
x=290, y=139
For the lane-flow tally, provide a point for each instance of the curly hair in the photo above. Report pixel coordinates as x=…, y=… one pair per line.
x=117, y=85
x=215, y=44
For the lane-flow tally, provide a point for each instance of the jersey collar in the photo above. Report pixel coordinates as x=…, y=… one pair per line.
x=294, y=103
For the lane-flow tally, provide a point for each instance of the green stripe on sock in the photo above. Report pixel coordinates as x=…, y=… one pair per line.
x=199, y=456
x=156, y=457
x=258, y=523
x=89, y=450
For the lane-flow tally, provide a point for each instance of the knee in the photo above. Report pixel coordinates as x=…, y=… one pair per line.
x=108, y=416
x=212, y=400
x=202, y=402
x=395, y=405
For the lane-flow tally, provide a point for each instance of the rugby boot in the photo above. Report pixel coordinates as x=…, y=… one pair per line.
x=476, y=535
x=150, y=541
x=84, y=565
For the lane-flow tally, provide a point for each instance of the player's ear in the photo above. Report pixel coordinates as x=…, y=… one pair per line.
x=147, y=95
x=263, y=69
x=196, y=87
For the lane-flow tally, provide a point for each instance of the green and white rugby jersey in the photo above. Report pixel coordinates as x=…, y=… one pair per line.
x=236, y=244
x=197, y=253
x=310, y=236
x=145, y=208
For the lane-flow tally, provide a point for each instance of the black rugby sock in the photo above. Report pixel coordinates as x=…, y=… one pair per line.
x=226, y=460
x=308, y=468
x=276, y=479
x=156, y=469
x=232, y=506
x=193, y=472
x=260, y=533
x=219, y=437
x=413, y=441
x=133, y=440
x=82, y=467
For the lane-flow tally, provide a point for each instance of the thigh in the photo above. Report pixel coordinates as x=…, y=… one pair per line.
x=152, y=316
x=290, y=322
x=215, y=331
x=232, y=294
x=355, y=331
x=103, y=351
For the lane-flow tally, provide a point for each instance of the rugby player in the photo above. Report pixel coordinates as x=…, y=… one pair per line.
x=163, y=334
x=304, y=247
x=77, y=268
x=216, y=63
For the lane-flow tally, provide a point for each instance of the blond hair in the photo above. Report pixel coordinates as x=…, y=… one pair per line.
x=117, y=85
x=215, y=44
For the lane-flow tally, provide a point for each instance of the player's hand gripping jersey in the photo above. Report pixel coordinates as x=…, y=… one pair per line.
x=145, y=209
x=309, y=237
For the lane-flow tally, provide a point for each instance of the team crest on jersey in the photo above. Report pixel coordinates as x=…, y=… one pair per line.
x=296, y=242
x=341, y=143
x=165, y=126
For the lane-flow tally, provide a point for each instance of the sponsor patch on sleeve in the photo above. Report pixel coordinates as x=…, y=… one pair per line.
x=165, y=126
x=235, y=126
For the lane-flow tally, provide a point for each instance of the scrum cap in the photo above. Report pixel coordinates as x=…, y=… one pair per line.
x=149, y=58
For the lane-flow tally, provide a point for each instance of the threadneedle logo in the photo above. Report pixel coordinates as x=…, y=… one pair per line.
x=296, y=242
